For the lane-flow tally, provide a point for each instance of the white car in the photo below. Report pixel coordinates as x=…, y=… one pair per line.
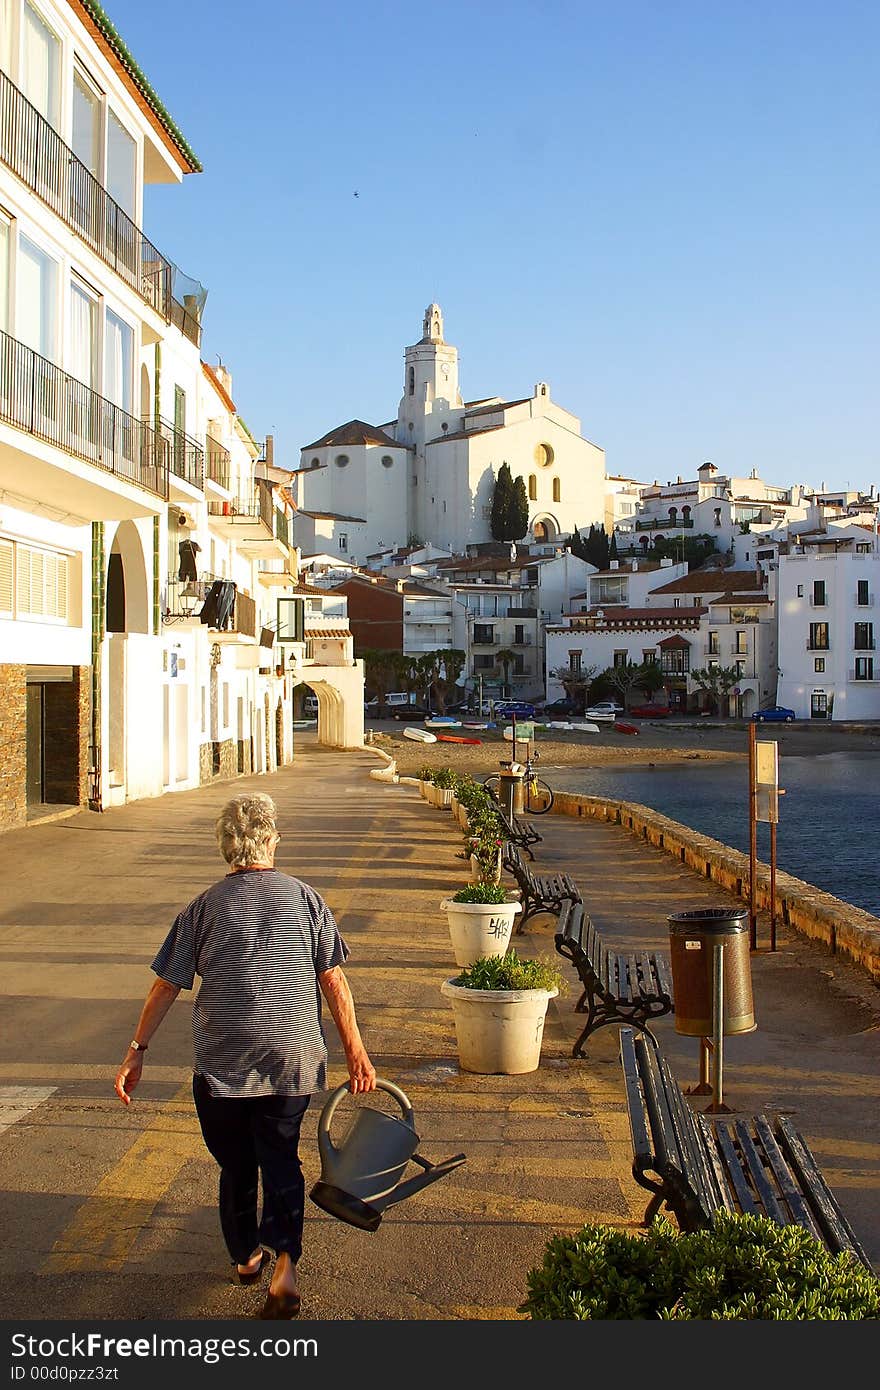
x=605, y=709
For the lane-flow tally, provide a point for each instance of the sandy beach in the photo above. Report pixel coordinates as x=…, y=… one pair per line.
x=655, y=742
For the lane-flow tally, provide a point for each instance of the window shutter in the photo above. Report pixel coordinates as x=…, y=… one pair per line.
x=6, y=579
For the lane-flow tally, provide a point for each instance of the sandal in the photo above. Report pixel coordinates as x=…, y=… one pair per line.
x=257, y=1274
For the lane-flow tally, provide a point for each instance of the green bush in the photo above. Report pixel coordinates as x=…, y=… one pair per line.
x=444, y=777
x=510, y=972
x=481, y=893
x=742, y=1267
x=425, y=774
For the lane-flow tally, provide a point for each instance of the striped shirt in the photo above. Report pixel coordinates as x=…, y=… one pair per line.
x=258, y=939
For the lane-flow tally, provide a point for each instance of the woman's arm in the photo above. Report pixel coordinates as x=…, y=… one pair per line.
x=335, y=989
x=156, y=1005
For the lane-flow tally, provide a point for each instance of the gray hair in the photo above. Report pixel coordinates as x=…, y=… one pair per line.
x=245, y=830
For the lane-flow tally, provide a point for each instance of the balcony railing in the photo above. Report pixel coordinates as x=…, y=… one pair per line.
x=186, y=457
x=282, y=530
x=217, y=462
x=864, y=644
x=863, y=677
x=665, y=524
x=257, y=506
x=41, y=399
x=34, y=151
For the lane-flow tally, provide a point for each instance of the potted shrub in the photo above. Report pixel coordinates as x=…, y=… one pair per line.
x=480, y=918
x=741, y=1267
x=426, y=777
x=499, y=1005
x=484, y=850
x=443, y=784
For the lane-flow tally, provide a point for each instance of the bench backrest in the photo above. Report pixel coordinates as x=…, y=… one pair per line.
x=667, y=1139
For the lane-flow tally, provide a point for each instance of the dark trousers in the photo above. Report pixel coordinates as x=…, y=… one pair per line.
x=259, y=1135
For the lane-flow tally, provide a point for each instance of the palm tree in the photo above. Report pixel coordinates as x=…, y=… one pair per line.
x=505, y=659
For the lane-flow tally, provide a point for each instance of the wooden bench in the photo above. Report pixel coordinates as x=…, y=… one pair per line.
x=517, y=831
x=698, y=1166
x=539, y=892
x=618, y=987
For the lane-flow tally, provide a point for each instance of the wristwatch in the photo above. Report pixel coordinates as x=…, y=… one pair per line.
x=136, y=1046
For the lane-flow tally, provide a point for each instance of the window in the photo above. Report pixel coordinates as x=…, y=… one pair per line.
x=343, y=542
x=557, y=490
x=717, y=516
x=484, y=662
x=861, y=587
x=742, y=641
x=412, y=383
x=675, y=662
x=483, y=633
x=118, y=359
x=713, y=641
x=341, y=460
x=819, y=637
x=864, y=668
x=533, y=487
x=863, y=637
x=819, y=664
x=819, y=599
x=518, y=664
x=519, y=635
x=620, y=659
x=41, y=66
x=649, y=655
x=314, y=463
x=544, y=455
x=387, y=461
x=740, y=669
x=42, y=583
x=6, y=573
x=86, y=138
x=121, y=175
x=37, y=280
x=698, y=601
x=574, y=662
x=83, y=352
x=6, y=35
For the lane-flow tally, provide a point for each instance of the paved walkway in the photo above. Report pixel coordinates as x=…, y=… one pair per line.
x=111, y=1213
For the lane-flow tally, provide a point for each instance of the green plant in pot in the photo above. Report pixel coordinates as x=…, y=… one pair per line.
x=741, y=1267
x=499, y=1005
x=484, y=850
x=480, y=918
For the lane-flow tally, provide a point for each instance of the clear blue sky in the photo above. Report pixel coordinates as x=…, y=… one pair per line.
x=667, y=209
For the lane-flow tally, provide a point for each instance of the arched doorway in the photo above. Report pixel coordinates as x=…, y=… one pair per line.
x=545, y=530
x=127, y=604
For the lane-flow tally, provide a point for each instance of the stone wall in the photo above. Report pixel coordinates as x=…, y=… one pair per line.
x=845, y=930
x=13, y=743
x=218, y=761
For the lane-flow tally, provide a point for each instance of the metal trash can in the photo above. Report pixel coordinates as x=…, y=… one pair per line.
x=510, y=789
x=692, y=936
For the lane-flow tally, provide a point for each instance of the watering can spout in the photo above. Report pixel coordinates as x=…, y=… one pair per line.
x=432, y=1172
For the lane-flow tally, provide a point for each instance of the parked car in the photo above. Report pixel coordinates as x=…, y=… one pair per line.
x=310, y=706
x=407, y=712
x=650, y=711
x=778, y=712
x=523, y=709
x=557, y=707
x=605, y=709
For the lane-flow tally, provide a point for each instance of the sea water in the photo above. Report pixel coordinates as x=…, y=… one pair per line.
x=828, y=817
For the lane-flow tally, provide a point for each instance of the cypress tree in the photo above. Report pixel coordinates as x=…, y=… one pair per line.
x=519, y=511
x=502, y=498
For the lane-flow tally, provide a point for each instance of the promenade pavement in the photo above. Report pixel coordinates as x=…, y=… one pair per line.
x=110, y=1212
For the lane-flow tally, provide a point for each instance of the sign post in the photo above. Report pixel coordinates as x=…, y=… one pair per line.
x=764, y=797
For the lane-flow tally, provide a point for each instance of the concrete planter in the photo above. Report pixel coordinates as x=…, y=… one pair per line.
x=498, y=1031
x=479, y=929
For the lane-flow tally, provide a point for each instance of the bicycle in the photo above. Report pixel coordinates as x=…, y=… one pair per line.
x=537, y=795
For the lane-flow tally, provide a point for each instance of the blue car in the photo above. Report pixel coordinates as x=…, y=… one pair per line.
x=775, y=712
x=521, y=708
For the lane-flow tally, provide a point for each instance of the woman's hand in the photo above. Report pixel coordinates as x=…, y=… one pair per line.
x=361, y=1073
x=129, y=1075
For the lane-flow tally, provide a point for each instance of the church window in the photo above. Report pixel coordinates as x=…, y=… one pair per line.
x=315, y=463
x=412, y=381
x=533, y=487
x=341, y=460
x=557, y=490
x=387, y=461
x=544, y=455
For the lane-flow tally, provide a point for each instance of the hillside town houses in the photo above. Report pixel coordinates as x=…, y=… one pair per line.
x=170, y=592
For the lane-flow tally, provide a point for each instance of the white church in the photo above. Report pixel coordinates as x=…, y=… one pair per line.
x=429, y=474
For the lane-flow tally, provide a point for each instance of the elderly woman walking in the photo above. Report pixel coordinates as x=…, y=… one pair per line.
x=266, y=947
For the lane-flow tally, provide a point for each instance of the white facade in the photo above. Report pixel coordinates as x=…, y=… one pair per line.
x=828, y=588
x=430, y=473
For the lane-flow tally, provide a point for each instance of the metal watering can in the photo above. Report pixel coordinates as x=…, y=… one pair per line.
x=361, y=1176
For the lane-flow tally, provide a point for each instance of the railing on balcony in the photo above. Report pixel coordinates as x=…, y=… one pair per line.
x=282, y=530
x=38, y=397
x=184, y=597
x=232, y=611
x=665, y=524
x=186, y=458
x=257, y=506
x=34, y=151
x=217, y=462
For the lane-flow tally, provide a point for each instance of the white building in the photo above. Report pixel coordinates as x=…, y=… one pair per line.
x=429, y=474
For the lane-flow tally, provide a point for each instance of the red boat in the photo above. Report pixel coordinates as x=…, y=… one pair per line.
x=456, y=738
x=625, y=728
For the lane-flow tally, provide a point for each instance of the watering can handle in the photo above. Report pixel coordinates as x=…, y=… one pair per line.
x=381, y=1085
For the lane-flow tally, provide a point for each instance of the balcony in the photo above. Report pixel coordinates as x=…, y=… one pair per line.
x=218, y=463
x=35, y=152
x=186, y=457
x=233, y=614
x=253, y=524
x=816, y=602
x=818, y=646
x=864, y=644
x=668, y=524
x=862, y=678
x=523, y=641
x=47, y=404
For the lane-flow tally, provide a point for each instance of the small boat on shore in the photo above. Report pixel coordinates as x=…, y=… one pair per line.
x=456, y=738
x=585, y=728
x=442, y=721
x=419, y=735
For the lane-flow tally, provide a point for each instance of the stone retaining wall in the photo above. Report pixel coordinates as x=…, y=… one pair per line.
x=845, y=930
